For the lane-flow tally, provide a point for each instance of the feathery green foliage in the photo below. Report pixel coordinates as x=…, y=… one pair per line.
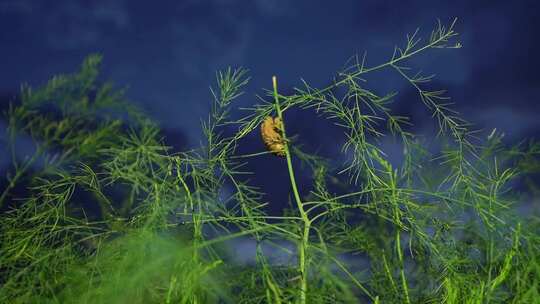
x=101, y=210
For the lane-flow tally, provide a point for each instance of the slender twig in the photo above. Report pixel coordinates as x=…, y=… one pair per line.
x=304, y=242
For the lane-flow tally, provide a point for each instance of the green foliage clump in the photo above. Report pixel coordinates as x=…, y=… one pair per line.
x=102, y=211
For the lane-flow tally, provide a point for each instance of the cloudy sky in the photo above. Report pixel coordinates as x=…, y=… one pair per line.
x=168, y=53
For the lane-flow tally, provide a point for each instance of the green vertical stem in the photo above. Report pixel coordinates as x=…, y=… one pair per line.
x=197, y=225
x=402, y=267
x=490, y=259
x=397, y=218
x=197, y=233
x=304, y=240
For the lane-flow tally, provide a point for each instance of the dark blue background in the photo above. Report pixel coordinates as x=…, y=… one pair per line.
x=168, y=52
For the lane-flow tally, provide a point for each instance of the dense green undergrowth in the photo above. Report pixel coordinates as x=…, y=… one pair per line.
x=101, y=211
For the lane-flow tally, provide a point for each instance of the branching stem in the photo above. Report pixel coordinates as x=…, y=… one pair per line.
x=304, y=241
